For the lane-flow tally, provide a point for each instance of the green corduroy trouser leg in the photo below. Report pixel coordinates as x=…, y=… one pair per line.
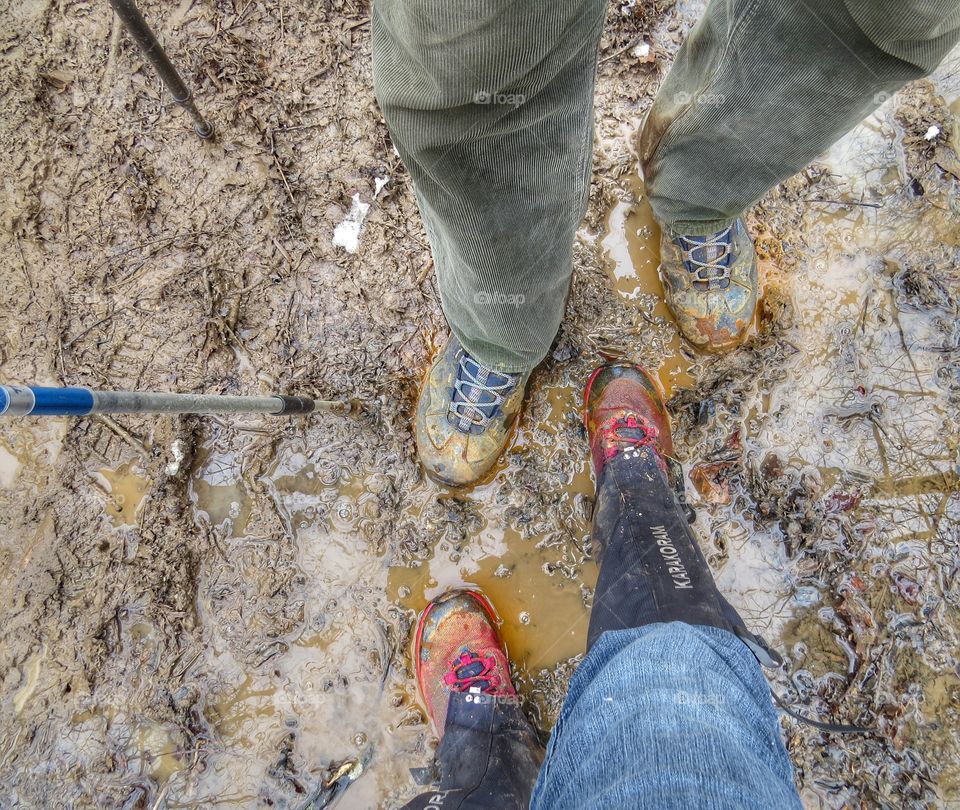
x=761, y=87
x=490, y=105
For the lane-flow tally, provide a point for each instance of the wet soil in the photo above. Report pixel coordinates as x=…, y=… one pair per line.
x=200, y=611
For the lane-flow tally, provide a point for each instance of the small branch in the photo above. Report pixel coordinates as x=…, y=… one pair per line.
x=123, y=434
x=847, y=202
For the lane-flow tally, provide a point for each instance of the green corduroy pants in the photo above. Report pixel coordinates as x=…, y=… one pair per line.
x=490, y=105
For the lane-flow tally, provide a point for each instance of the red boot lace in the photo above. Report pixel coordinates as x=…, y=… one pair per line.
x=642, y=434
x=471, y=670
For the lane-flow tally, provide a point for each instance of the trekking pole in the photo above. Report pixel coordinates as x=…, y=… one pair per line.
x=131, y=17
x=22, y=400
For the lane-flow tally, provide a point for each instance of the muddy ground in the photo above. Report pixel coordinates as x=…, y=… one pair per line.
x=200, y=611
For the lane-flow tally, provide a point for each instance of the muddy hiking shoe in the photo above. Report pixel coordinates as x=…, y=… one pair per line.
x=464, y=416
x=624, y=414
x=457, y=648
x=710, y=284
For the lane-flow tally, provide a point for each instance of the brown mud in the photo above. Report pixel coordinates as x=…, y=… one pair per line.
x=200, y=611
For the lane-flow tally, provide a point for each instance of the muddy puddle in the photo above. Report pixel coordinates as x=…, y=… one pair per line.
x=341, y=685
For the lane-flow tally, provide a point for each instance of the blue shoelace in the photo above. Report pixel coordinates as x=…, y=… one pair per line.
x=478, y=394
x=708, y=257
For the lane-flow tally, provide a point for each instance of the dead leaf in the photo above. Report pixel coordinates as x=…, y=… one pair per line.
x=58, y=79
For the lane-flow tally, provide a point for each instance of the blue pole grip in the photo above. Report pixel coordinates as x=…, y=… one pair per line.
x=20, y=400
x=61, y=401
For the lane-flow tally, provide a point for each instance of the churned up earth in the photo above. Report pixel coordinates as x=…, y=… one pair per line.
x=199, y=611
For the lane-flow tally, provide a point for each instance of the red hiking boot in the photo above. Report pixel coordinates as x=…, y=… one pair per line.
x=624, y=413
x=458, y=648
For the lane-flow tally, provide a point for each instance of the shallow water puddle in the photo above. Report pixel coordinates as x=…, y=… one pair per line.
x=125, y=490
x=217, y=493
x=632, y=242
x=544, y=617
x=153, y=745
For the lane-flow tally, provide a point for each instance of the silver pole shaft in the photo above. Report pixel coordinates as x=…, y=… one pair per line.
x=135, y=402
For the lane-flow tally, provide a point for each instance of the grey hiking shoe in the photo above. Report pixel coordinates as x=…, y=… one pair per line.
x=710, y=284
x=464, y=416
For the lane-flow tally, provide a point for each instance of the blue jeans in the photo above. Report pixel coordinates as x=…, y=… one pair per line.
x=667, y=716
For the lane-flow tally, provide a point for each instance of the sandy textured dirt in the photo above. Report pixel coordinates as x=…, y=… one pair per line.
x=200, y=611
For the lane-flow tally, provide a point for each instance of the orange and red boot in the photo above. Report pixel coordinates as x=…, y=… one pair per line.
x=457, y=648
x=624, y=413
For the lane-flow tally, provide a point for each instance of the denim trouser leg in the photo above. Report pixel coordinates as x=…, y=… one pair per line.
x=662, y=716
x=667, y=716
x=761, y=87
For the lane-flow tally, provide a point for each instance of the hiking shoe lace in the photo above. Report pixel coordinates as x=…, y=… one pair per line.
x=478, y=392
x=708, y=257
x=473, y=671
x=627, y=434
